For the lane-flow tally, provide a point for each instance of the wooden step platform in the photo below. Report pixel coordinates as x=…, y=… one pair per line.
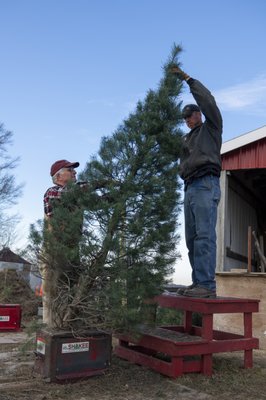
x=175, y=350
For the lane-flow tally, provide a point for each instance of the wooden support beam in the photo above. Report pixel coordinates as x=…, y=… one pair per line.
x=260, y=252
x=249, y=249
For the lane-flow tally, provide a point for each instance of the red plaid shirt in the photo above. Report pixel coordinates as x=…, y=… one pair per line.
x=53, y=194
x=50, y=195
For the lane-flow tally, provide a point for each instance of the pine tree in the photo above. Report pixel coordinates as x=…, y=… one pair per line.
x=130, y=211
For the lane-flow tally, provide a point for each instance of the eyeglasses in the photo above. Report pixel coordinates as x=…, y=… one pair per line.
x=70, y=169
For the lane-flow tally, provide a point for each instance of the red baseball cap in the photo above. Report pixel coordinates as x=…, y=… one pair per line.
x=62, y=164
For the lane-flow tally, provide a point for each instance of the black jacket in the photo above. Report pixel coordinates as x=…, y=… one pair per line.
x=202, y=145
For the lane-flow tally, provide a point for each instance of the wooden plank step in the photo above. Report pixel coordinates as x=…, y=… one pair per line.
x=219, y=305
x=174, y=367
x=170, y=342
x=170, y=334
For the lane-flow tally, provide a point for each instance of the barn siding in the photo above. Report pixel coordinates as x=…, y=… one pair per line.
x=241, y=215
x=252, y=156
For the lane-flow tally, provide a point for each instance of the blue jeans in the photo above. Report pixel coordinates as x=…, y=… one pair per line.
x=202, y=197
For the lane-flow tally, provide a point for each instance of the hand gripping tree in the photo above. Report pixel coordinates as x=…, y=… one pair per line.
x=127, y=248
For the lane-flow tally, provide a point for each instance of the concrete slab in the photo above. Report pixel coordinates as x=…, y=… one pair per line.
x=13, y=337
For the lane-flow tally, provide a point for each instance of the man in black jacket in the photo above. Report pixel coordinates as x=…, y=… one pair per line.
x=200, y=167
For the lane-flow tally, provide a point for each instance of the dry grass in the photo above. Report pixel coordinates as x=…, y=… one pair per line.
x=230, y=380
x=124, y=381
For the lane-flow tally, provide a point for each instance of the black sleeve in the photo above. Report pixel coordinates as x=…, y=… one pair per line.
x=206, y=103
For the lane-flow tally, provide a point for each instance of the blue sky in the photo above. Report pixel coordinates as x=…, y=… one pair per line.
x=72, y=70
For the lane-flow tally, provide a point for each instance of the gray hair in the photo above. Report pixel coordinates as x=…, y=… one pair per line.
x=55, y=176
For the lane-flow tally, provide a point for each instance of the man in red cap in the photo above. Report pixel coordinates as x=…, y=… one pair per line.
x=62, y=172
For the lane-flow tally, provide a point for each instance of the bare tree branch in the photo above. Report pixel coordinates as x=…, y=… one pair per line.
x=9, y=190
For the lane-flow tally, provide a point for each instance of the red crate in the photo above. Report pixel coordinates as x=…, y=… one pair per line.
x=10, y=317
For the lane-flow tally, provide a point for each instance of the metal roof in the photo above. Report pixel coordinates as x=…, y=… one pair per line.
x=243, y=140
x=251, y=156
x=247, y=151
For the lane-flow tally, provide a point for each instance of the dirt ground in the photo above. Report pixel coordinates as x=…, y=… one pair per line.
x=131, y=382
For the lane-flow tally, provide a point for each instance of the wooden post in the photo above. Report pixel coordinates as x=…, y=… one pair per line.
x=187, y=321
x=263, y=267
x=249, y=249
x=260, y=249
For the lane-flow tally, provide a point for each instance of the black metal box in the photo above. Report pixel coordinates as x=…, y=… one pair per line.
x=63, y=356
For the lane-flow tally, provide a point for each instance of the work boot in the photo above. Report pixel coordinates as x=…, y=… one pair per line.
x=181, y=291
x=201, y=292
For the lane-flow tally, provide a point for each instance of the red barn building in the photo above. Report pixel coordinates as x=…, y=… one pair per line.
x=239, y=271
